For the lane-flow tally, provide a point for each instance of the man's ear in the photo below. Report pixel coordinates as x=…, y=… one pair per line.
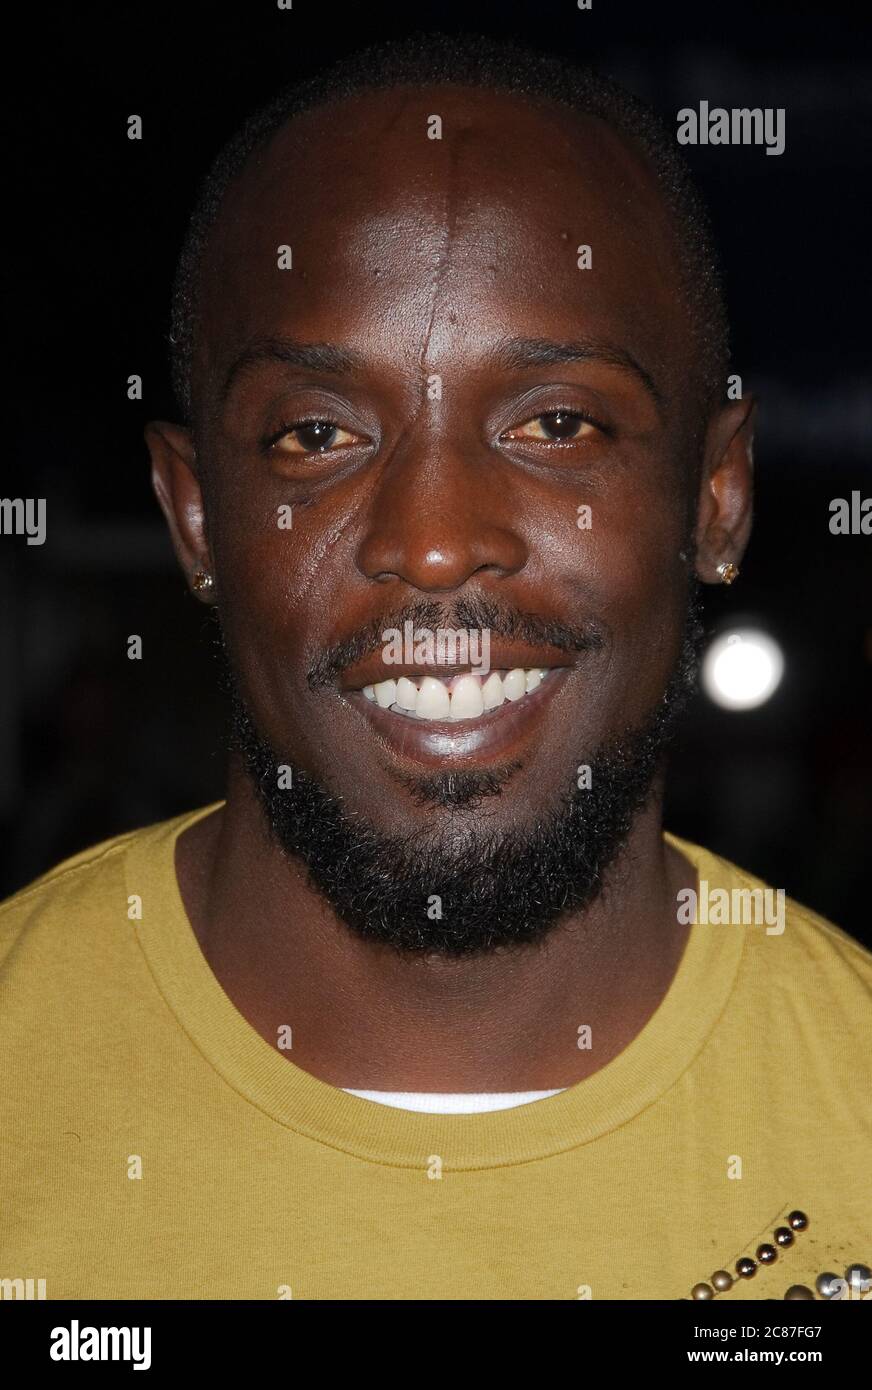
x=177, y=487
x=724, y=506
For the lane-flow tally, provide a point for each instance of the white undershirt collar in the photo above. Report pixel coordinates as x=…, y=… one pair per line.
x=447, y=1103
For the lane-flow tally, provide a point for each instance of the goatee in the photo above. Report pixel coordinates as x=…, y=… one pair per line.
x=460, y=888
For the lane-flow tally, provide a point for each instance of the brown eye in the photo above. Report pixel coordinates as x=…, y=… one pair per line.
x=554, y=426
x=310, y=437
x=318, y=434
x=561, y=424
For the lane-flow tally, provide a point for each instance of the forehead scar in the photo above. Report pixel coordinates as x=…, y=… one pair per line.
x=442, y=258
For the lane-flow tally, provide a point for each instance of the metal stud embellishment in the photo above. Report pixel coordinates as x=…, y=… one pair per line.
x=857, y=1280
x=856, y=1283
x=746, y=1267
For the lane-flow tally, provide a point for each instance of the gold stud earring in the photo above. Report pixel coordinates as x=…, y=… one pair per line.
x=202, y=582
x=729, y=572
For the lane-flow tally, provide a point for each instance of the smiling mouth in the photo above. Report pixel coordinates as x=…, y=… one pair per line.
x=428, y=735
x=460, y=699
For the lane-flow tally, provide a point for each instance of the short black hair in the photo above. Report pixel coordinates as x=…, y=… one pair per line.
x=497, y=65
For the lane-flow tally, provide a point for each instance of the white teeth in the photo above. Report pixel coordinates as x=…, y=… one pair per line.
x=514, y=684
x=492, y=692
x=456, y=698
x=407, y=694
x=434, y=702
x=386, y=693
x=466, y=698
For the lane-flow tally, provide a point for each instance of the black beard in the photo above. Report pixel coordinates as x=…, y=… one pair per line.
x=458, y=889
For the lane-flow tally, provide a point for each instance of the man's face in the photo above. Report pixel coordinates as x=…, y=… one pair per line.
x=478, y=392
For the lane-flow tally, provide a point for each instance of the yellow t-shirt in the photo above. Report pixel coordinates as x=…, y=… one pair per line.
x=153, y=1145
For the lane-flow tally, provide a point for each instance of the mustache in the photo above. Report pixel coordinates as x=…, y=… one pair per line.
x=466, y=614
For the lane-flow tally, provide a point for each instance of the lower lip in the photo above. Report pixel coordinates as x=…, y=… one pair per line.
x=437, y=742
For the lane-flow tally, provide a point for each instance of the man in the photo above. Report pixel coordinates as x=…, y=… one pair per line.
x=450, y=347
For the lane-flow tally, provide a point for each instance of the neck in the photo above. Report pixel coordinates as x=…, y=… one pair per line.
x=365, y=1017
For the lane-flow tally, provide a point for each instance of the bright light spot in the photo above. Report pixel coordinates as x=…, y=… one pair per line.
x=742, y=669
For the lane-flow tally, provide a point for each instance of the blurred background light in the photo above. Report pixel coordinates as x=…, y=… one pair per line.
x=742, y=668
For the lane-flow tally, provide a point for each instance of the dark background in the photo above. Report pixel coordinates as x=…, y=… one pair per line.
x=91, y=743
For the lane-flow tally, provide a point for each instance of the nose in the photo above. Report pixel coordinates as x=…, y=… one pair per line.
x=439, y=515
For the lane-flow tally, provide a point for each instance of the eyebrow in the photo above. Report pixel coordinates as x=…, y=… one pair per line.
x=314, y=357
x=510, y=353
x=542, y=352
